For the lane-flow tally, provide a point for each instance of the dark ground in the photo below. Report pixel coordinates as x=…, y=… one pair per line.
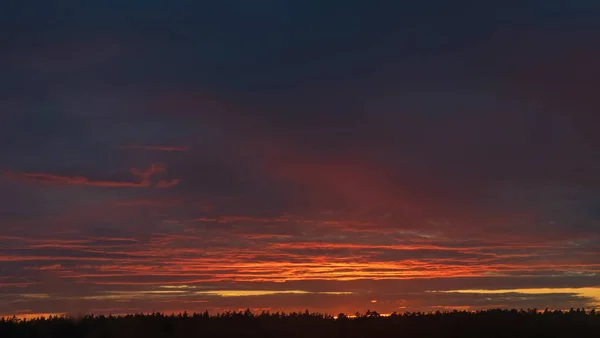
x=491, y=323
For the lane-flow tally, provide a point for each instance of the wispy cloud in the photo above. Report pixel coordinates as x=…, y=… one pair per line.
x=592, y=293
x=167, y=184
x=76, y=180
x=156, y=148
x=294, y=178
x=143, y=179
x=246, y=293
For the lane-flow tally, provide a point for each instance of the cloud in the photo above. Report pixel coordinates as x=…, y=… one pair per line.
x=143, y=178
x=156, y=148
x=167, y=184
x=76, y=180
x=361, y=153
x=592, y=295
x=250, y=293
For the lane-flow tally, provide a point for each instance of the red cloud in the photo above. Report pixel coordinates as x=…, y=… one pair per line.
x=167, y=184
x=78, y=180
x=143, y=178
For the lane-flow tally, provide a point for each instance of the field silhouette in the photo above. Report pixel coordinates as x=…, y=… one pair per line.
x=480, y=324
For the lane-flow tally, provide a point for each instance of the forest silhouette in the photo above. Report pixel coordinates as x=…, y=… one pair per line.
x=480, y=324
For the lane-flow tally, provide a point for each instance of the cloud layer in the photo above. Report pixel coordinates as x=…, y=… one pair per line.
x=335, y=156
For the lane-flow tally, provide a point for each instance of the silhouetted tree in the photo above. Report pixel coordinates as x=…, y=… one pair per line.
x=464, y=324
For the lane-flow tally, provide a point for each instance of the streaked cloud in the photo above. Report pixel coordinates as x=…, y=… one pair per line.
x=143, y=178
x=155, y=148
x=304, y=160
x=247, y=293
x=591, y=293
x=76, y=180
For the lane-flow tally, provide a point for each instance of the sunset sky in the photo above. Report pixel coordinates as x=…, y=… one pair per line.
x=328, y=155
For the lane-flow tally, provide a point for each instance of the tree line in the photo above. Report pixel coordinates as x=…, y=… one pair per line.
x=480, y=324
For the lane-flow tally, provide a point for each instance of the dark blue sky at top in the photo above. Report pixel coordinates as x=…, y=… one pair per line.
x=479, y=117
x=467, y=90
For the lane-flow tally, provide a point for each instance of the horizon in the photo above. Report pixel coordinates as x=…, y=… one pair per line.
x=246, y=312
x=284, y=155
x=496, y=323
x=593, y=293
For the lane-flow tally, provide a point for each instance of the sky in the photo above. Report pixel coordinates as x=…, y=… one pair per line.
x=335, y=156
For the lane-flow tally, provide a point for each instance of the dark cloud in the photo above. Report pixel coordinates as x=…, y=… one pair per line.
x=339, y=146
